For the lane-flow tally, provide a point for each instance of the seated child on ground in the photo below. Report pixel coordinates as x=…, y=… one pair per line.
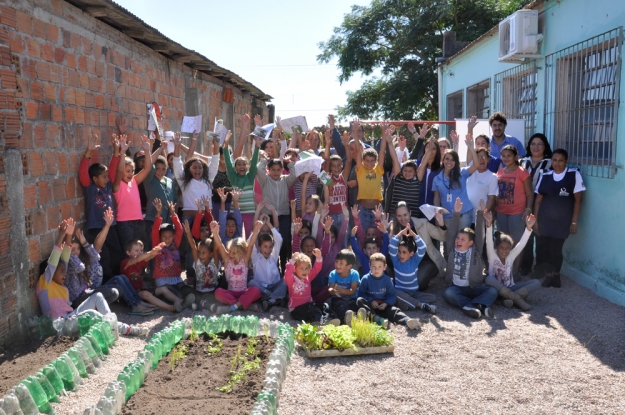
x=266, y=272
x=402, y=249
x=500, y=260
x=465, y=268
x=298, y=276
x=202, y=219
x=54, y=297
x=344, y=280
x=377, y=295
x=336, y=242
x=370, y=246
x=206, y=270
x=167, y=267
x=235, y=259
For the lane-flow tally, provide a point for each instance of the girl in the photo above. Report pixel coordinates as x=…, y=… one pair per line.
x=235, y=259
x=206, y=270
x=451, y=183
x=516, y=197
x=559, y=196
x=500, y=259
x=221, y=181
x=54, y=297
x=126, y=192
x=429, y=168
x=230, y=226
x=537, y=162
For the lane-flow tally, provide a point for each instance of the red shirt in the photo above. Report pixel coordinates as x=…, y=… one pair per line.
x=338, y=194
x=134, y=273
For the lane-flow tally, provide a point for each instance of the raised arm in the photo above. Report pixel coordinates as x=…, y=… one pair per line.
x=99, y=240
x=192, y=246
x=471, y=152
x=419, y=139
x=245, y=130
x=252, y=241
x=219, y=246
x=123, y=146
x=396, y=163
x=147, y=167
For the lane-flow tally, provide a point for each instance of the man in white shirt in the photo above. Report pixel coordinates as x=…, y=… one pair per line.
x=482, y=184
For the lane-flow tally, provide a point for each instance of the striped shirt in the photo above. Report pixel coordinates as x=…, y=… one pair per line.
x=406, y=272
x=405, y=191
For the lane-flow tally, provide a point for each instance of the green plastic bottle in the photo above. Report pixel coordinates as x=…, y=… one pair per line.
x=46, y=329
x=95, y=345
x=266, y=395
x=84, y=323
x=251, y=326
x=225, y=322
x=212, y=325
x=99, y=336
x=65, y=373
x=55, y=380
x=124, y=378
x=38, y=394
x=77, y=360
x=154, y=359
x=47, y=387
x=27, y=403
x=108, y=333
x=235, y=324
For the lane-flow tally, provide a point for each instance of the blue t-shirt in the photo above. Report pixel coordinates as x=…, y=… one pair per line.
x=345, y=282
x=97, y=201
x=449, y=193
x=495, y=150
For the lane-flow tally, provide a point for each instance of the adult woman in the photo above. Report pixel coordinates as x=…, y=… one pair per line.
x=429, y=168
x=432, y=263
x=537, y=161
x=557, y=207
x=516, y=196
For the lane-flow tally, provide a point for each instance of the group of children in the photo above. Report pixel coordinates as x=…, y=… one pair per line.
x=285, y=250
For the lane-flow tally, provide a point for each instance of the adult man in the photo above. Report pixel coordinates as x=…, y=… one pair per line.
x=499, y=139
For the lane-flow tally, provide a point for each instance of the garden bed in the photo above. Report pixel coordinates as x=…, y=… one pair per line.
x=192, y=386
x=348, y=352
x=23, y=360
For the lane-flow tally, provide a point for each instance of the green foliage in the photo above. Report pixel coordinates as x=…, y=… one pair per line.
x=193, y=336
x=251, y=347
x=214, y=345
x=177, y=354
x=401, y=40
x=339, y=337
x=308, y=335
x=368, y=334
x=240, y=366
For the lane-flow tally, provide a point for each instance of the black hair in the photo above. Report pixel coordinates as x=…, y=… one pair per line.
x=207, y=243
x=264, y=144
x=563, y=152
x=96, y=169
x=265, y=237
x=166, y=227
x=370, y=241
x=411, y=164
x=161, y=160
x=275, y=162
x=187, y=171
x=498, y=116
x=307, y=224
x=336, y=157
x=347, y=256
x=306, y=238
x=547, y=153
x=454, y=175
x=511, y=149
x=409, y=243
x=501, y=237
x=334, y=231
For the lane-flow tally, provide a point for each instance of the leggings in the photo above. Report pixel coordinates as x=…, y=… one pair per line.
x=550, y=252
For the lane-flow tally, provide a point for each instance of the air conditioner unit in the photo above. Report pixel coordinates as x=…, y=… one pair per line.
x=518, y=36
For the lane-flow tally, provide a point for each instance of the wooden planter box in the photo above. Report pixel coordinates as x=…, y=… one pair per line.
x=348, y=352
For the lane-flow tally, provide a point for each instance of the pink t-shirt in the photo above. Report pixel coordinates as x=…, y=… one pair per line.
x=512, y=199
x=338, y=194
x=128, y=201
x=300, y=289
x=236, y=276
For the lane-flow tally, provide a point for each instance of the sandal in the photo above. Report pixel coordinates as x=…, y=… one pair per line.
x=142, y=313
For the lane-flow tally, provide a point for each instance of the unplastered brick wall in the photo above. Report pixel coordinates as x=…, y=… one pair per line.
x=64, y=76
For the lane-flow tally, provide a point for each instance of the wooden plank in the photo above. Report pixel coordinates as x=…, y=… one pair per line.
x=348, y=352
x=97, y=11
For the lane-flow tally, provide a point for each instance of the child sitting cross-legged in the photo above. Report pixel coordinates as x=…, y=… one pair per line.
x=344, y=280
x=266, y=272
x=235, y=259
x=298, y=276
x=206, y=270
x=377, y=296
x=402, y=249
x=53, y=295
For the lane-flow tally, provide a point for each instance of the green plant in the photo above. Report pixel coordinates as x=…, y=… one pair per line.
x=266, y=331
x=251, y=347
x=177, y=354
x=340, y=337
x=308, y=335
x=193, y=336
x=214, y=345
x=369, y=334
x=239, y=368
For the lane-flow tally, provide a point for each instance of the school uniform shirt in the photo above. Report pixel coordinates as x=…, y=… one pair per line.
x=266, y=270
x=378, y=288
x=448, y=192
x=345, y=282
x=556, y=208
x=480, y=186
x=512, y=199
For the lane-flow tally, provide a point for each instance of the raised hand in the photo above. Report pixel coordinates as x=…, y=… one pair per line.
x=92, y=142
x=481, y=206
x=278, y=124
x=121, y=125
x=123, y=144
x=425, y=130
x=81, y=236
x=214, y=228
x=297, y=225
x=177, y=139
x=327, y=224
x=206, y=202
x=246, y=121
x=264, y=218
x=468, y=139
x=458, y=205
x=146, y=145
x=270, y=207
x=380, y=226
x=355, y=211
x=331, y=121
x=354, y=231
x=345, y=138
x=355, y=125
x=439, y=217
x=186, y=227
x=227, y=139
x=530, y=221
x=222, y=194
x=488, y=217
x=71, y=225
x=200, y=206
x=293, y=204
x=378, y=212
x=109, y=217
x=172, y=208
x=258, y=121
x=236, y=194
x=455, y=138
x=258, y=225
x=158, y=205
x=317, y=253
x=411, y=128
x=472, y=123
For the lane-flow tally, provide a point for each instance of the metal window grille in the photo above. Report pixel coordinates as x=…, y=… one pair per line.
x=581, y=101
x=478, y=99
x=454, y=105
x=515, y=94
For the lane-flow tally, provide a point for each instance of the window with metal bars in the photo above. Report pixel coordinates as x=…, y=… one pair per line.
x=478, y=99
x=515, y=94
x=581, y=105
x=454, y=105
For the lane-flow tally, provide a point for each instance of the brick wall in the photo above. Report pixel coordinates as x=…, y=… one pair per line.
x=64, y=76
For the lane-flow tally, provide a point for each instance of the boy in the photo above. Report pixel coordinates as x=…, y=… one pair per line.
x=465, y=268
x=158, y=186
x=266, y=273
x=369, y=178
x=167, y=268
x=405, y=262
x=370, y=246
x=297, y=276
x=344, y=280
x=377, y=295
x=97, y=187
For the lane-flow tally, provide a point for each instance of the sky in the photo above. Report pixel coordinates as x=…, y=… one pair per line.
x=272, y=44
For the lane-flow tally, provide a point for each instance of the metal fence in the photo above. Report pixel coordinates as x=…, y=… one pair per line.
x=515, y=94
x=581, y=101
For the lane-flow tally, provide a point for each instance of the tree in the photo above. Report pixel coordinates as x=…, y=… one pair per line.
x=402, y=39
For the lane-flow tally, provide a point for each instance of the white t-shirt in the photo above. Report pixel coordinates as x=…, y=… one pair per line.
x=480, y=186
x=401, y=153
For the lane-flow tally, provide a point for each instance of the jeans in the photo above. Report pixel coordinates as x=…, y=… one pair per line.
x=411, y=300
x=367, y=219
x=130, y=230
x=275, y=291
x=128, y=292
x=426, y=272
x=341, y=305
x=284, y=227
x=530, y=286
x=469, y=296
x=512, y=225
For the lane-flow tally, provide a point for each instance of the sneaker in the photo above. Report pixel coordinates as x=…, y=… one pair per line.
x=266, y=305
x=471, y=311
x=220, y=309
x=348, y=317
x=382, y=322
x=254, y=307
x=204, y=305
x=508, y=303
x=429, y=308
x=487, y=311
x=178, y=306
x=137, y=331
x=413, y=324
x=284, y=303
x=363, y=314
x=188, y=300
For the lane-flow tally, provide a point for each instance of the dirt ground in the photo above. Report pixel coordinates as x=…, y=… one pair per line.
x=23, y=360
x=191, y=387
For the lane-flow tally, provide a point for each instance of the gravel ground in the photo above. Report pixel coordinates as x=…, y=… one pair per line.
x=567, y=355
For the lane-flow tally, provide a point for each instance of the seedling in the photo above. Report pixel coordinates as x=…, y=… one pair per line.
x=239, y=368
x=369, y=334
x=266, y=331
x=214, y=345
x=193, y=336
x=340, y=337
x=177, y=354
x=251, y=347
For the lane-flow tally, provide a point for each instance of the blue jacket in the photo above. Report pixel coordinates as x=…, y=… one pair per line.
x=362, y=257
x=380, y=289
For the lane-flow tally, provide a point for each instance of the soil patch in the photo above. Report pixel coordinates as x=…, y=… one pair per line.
x=23, y=360
x=192, y=386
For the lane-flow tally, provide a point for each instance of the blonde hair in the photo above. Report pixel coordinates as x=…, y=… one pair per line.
x=300, y=258
x=237, y=244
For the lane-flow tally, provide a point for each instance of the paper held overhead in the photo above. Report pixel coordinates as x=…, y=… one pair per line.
x=220, y=130
x=263, y=132
x=298, y=122
x=191, y=124
x=308, y=162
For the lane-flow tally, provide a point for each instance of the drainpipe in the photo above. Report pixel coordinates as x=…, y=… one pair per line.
x=439, y=69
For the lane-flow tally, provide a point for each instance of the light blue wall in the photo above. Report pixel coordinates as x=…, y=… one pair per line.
x=595, y=257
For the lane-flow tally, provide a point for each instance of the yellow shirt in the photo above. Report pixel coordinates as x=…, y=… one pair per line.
x=369, y=182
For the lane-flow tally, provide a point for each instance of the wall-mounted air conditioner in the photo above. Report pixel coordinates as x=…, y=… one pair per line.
x=519, y=37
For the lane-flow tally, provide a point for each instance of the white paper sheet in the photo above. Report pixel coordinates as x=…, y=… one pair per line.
x=221, y=130
x=264, y=132
x=191, y=124
x=289, y=123
x=308, y=163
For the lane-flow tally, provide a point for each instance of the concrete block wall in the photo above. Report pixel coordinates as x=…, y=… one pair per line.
x=64, y=75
